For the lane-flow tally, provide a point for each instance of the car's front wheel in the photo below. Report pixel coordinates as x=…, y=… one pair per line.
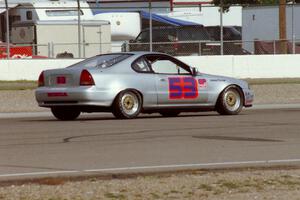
x=230, y=101
x=127, y=105
x=65, y=114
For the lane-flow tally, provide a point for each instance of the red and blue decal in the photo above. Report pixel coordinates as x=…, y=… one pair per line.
x=183, y=88
x=202, y=83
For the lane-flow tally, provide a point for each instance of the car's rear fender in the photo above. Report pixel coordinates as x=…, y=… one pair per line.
x=144, y=84
x=139, y=93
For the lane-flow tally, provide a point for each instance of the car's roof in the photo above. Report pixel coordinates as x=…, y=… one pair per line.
x=137, y=53
x=174, y=27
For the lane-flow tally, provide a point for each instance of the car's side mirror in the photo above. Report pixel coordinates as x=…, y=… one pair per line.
x=132, y=41
x=194, y=71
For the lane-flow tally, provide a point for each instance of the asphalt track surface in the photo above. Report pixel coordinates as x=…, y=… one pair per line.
x=35, y=145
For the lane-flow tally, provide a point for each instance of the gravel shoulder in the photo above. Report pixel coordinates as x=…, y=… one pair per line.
x=234, y=185
x=24, y=100
x=276, y=93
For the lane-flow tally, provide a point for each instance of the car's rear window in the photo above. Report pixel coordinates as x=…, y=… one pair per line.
x=193, y=33
x=101, y=61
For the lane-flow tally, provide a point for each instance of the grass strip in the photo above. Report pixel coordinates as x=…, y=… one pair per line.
x=18, y=85
x=273, y=81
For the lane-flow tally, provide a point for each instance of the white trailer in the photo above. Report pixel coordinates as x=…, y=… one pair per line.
x=47, y=10
x=208, y=15
x=125, y=26
x=53, y=38
x=42, y=10
x=262, y=24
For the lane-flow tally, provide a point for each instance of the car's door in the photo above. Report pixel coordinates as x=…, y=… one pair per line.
x=145, y=82
x=175, y=84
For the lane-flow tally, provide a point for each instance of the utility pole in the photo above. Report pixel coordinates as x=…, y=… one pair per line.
x=7, y=32
x=150, y=25
x=282, y=27
x=221, y=28
x=79, y=29
x=293, y=30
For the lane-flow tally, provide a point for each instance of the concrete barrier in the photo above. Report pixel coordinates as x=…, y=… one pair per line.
x=248, y=66
x=23, y=69
x=260, y=66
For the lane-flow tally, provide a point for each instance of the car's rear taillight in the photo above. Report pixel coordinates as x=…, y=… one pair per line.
x=41, y=81
x=86, y=78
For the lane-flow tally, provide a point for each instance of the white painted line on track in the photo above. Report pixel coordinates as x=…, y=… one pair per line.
x=49, y=114
x=38, y=173
x=24, y=114
x=41, y=114
x=274, y=106
x=157, y=167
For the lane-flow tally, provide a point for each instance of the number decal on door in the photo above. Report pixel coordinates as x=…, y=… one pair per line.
x=175, y=88
x=183, y=88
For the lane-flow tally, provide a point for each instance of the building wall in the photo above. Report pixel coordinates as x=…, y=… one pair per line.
x=262, y=23
x=209, y=15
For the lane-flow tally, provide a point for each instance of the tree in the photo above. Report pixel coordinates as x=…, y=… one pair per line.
x=282, y=27
x=228, y=3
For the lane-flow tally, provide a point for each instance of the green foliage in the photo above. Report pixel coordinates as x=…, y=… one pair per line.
x=228, y=3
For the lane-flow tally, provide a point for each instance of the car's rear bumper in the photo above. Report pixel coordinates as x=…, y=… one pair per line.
x=75, y=96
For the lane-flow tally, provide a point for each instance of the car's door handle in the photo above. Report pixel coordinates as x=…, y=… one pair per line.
x=162, y=79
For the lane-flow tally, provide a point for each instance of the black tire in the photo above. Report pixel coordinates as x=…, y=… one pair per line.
x=65, y=114
x=230, y=101
x=127, y=105
x=169, y=113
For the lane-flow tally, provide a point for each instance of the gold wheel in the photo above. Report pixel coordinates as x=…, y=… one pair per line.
x=130, y=103
x=232, y=100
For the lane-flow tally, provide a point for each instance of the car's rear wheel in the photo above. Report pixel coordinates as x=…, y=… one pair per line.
x=65, y=114
x=127, y=105
x=169, y=113
x=230, y=101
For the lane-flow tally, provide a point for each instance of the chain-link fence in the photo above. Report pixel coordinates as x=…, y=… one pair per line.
x=42, y=30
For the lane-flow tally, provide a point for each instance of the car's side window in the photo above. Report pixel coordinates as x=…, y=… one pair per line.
x=166, y=66
x=141, y=65
x=143, y=37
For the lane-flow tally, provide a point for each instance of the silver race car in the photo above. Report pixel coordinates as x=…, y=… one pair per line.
x=127, y=84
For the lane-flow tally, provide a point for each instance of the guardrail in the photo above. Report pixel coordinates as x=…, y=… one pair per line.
x=247, y=66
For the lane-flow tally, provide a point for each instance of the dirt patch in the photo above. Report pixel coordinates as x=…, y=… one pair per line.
x=276, y=93
x=18, y=101
x=24, y=100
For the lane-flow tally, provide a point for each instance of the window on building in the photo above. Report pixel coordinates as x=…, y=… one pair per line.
x=29, y=15
x=55, y=13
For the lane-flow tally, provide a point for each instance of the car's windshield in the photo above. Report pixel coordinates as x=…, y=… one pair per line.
x=101, y=61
